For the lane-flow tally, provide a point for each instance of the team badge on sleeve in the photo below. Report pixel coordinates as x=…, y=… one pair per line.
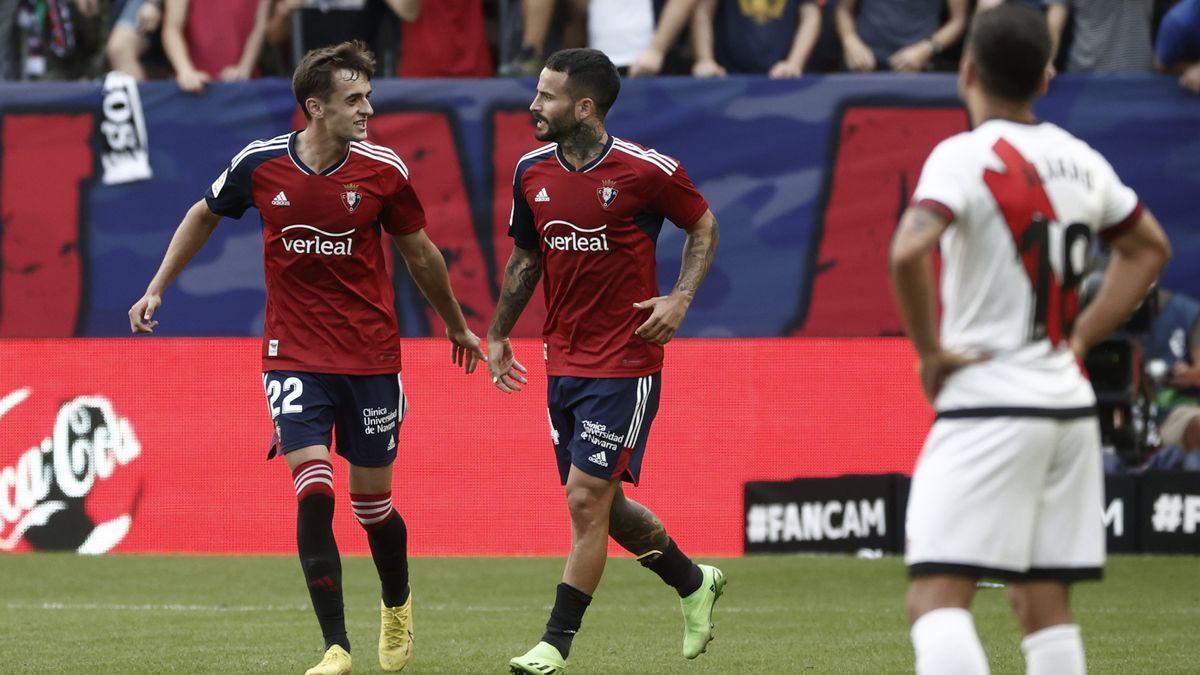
x=606, y=193
x=351, y=198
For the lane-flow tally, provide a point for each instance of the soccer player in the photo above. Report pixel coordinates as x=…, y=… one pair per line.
x=331, y=346
x=1009, y=484
x=587, y=210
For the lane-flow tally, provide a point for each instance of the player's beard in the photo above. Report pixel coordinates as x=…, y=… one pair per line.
x=554, y=131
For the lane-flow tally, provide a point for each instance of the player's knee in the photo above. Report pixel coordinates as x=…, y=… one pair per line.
x=926, y=594
x=1018, y=600
x=584, y=504
x=1039, y=605
x=915, y=603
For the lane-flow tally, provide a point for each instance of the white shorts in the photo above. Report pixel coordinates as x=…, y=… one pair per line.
x=1009, y=498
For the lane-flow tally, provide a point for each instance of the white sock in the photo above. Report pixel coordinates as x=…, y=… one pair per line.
x=945, y=642
x=1057, y=650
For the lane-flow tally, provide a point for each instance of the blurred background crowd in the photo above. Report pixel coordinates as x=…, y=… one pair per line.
x=201, y=41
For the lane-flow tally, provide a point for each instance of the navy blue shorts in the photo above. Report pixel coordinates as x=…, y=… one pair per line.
x=600, y=425
x=365, y=411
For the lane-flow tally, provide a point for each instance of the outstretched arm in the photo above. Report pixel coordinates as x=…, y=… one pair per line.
x=521, y=276
x=189, y=238
x=428, y=269
x=667, y=311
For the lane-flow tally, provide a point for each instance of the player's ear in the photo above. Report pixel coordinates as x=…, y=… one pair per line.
x=1044, y=85
x=585, y=108
x=967, y=72
x=314, y=107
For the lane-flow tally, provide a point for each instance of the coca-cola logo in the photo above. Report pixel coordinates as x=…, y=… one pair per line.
x=42, y=495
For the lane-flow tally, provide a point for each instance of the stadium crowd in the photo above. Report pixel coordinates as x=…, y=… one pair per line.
x=200, y=41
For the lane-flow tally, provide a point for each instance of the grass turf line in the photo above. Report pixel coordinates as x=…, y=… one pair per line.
x=780, y=614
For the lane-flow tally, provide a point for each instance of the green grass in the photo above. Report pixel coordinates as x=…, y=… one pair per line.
x=780, y=614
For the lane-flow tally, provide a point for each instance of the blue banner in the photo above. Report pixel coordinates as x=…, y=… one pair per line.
x=807, y=178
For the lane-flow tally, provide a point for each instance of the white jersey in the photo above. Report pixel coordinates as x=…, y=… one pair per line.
x=1025, y=202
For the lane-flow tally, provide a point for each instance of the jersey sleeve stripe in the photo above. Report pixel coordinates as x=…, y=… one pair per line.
x=1110, y=233
x=395, y=164
x=665, y=169
x=937, y=207
x=257, y=146
x=648, y=153
x=528, y=159
x=652, y=153
x=384, y=154
x=540, y=151
x=383, y=151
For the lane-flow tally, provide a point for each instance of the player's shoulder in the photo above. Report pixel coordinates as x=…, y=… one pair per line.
x=380, y=154
x=643, y=159
x=960, y=145
x=1068, y=143
x=256, y=152
x=532, y=158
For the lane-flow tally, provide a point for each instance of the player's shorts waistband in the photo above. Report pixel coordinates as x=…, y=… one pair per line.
x=1065, y=574
x=1018, y=411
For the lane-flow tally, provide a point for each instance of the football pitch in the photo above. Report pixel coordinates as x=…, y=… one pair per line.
x=779, y=614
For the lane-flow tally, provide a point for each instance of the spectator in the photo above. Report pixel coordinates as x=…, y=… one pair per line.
x=448, y=39
x=207, y=40
x=649, y=48
x=132, y=33
x=1174, y=339
x=1056, y=19
x=1109, y=37
x=302, y=25
x=775, y=39
x=898, y=35
x=538, y=17
x=1178, y=48
x=8, y=39
x=61, y=39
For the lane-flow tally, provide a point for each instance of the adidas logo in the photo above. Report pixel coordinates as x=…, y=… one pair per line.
x=542, y=196
x=391, y=443
x=598, y=458
x=280, y=200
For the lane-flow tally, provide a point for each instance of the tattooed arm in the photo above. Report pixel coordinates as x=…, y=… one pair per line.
x=910, y=262
x=521, y=277
x=668, y=310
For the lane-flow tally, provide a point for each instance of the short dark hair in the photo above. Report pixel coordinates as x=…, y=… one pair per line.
x=314, y=76
x=590, y=74
x=1011, y=46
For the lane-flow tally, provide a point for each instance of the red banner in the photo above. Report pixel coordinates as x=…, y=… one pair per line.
x=159, y=445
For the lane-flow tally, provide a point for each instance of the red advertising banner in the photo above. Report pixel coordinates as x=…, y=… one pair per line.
x=159, y=445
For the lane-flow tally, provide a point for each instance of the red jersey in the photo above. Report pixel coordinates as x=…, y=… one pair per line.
x=330, y=302
x=596, y=228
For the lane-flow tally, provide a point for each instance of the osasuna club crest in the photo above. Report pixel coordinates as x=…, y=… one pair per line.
x=606, y=193
x=351, y=198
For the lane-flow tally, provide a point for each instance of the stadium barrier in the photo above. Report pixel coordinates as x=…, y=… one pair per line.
x=156, y=444
x=1154, y=512
x=806, y=176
